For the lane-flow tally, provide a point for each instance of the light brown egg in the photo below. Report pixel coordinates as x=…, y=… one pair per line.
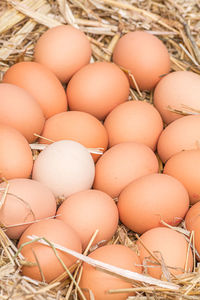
x=100, y=282
x=153, y=198
x=26, y=200
x=55, y=231
x=15, y=154
x=144, y=56
x=20, y=111
x=192, y=223
x=134, y=121
x=178, y=91
x=41, y=83
x=121, y=164
x=64, y=50
x=98, y=88
x=182, y=134
x=169, y=247
x=77, y=126
x=185, y=166
x=88, y=211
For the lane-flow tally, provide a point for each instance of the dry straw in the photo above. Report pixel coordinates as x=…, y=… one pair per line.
x=177, y=24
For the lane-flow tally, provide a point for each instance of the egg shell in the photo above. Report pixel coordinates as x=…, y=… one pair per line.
x=134, y=121
x=177, y=90
x=100, y=282
x=66, y=167
x=26, y=200
x=77, y=126
x=185, y=166
x=121, y=164
x=15, y=154
x=192, y=223
x=144, y=56
x=20, y=111
x=64, y=50
x=98, y=88
x=182, y=134
x=88, y=211
x=55, y=231
x=41, y=83
x=153, y=198
x=168, y=246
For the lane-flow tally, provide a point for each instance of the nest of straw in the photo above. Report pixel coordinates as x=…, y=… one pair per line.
x=177, y=24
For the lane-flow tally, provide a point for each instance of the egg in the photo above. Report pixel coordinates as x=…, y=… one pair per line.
x=192, y=223
x=77, y=126
x=182, y=134
x=26, y=200
x=178, y=91
x=97, y=88
x=88, y=211
x=15, y=154
x=121, y=164
x=169, y=248
x=144, y=56
x=64, y=50
x=41, y=83
x=153, y=198
x=20, y=111
x=99, y=282
x=50, y=268
x=134, y=121
x=185, y=166
x=66, y=167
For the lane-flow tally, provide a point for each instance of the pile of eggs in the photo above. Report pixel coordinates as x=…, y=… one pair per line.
x=73, y=109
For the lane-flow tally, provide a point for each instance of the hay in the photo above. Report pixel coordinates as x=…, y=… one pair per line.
x=177, y=24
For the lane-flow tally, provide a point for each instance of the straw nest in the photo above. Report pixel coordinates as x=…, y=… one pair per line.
x=177, y=24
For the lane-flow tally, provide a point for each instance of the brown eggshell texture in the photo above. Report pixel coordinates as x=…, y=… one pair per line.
x=20, y=111
x=134, y=121
x=182, y=134
x=167, y=245
x=100, y=282
x=89, y=211
x=121, y=164
x=153, y=198
x=15, y=154
x=178, y=91
x=27, y=200
x=98, y=88
x=55, y=231
x=64, y=50
x=77, y=126
x=144, y=56
x=41, y=83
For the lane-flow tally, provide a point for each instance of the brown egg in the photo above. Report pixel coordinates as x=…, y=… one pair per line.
x=144, y=56
x=177, y=90
x=185, y=166
x=100, y=282
x=182, y=134
x=41, y=83
x=192, y=223
x=153, y=198
x=15, y=154
x=77, y=126
x=64, y=50
x=26, y=200
x=55, y=231
x=134, y=121
x=98, y=88
x=20, y=111
x=88, y=211
x=121, y=164
x=169, y=247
